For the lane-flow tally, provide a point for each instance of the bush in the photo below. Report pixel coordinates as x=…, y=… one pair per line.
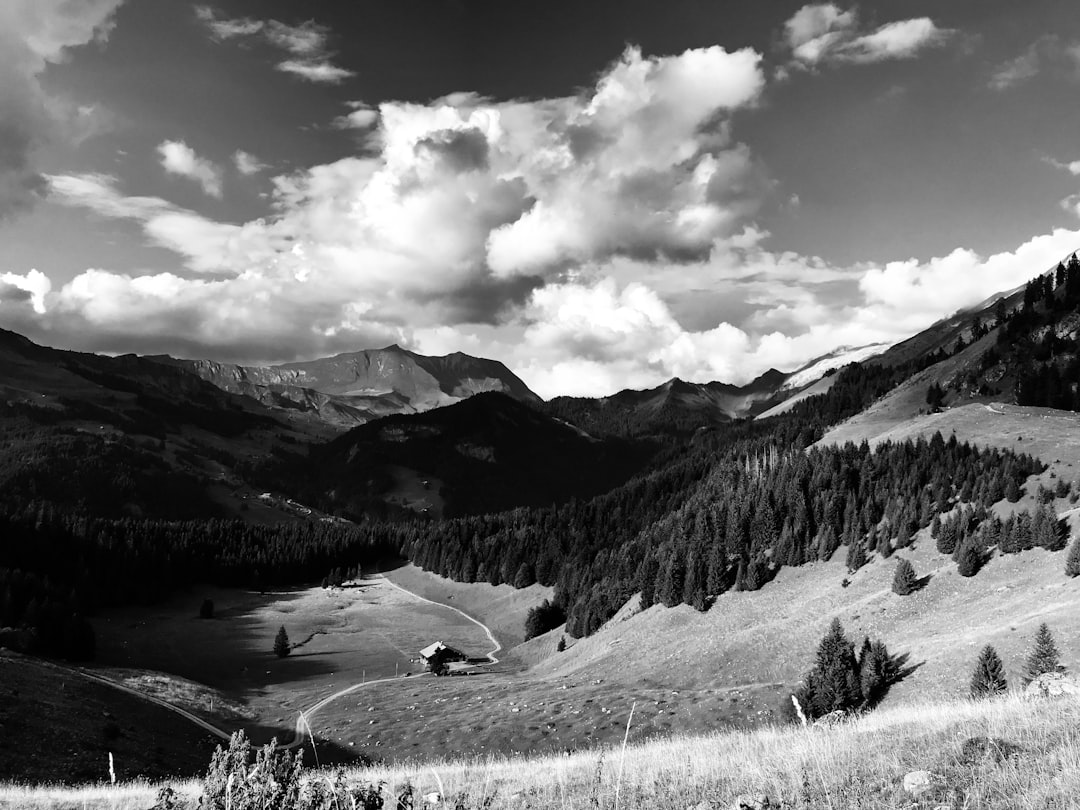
x=988, y=679
x=272, y=784
x=904, y=580
x=206, y=609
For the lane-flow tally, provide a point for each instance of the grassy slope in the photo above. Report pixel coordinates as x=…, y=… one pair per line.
x=501, y=607
x=87, y=720
x=860, y=764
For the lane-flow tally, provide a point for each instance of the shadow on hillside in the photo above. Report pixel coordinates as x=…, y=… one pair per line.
x=922, y=582
x=898, y=669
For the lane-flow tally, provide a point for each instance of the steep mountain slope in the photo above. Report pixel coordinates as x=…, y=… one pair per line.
x=355, y=387
x=487, y=453
x=123, y=435
x=1021, y=347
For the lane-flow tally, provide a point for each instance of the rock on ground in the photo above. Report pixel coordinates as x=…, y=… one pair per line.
x=1053, y=685
x=917, y=783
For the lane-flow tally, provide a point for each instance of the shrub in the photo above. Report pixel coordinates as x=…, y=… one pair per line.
x=904, y=580
x=272, y=784
x=561, y=646
x=281, y=643
x=988, y=679
x=206, y=609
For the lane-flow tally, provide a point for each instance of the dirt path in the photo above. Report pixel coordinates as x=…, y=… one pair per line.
x=496, y=646
x=90, y=676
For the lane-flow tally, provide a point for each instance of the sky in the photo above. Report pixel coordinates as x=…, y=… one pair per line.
x=600, y=194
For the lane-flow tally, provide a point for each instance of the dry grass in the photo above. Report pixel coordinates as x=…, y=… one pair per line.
x=860, y=764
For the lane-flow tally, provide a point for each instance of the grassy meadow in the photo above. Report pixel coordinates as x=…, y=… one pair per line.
x=1033, y=763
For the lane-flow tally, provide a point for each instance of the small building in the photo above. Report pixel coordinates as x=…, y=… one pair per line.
x=441, y=653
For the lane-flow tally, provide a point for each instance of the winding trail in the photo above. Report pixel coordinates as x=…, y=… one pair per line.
x=302, y=730
x=491, y=637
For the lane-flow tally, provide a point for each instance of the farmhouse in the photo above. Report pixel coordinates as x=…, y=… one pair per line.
x=441, y=653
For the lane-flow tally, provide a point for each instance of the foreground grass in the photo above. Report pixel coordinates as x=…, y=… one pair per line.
x=860, y=764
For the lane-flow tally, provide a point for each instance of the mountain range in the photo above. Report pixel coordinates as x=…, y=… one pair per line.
x=352, y=388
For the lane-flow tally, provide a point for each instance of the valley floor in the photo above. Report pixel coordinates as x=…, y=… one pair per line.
x=1005, y=754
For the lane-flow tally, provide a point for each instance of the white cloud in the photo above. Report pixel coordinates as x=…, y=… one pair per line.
x=307, y=43
x=247, y=164
x=362, y=117
x=1072, y=167
x=320, y=71
x=209, y=247
x=822, y=34
x=30, y=287
x=1048, y=54
x=34, y=34
x=179, y=158
x=589, y=242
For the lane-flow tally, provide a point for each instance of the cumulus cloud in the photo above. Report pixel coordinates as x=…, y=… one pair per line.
x=362, y=116
x=822, y=34
x=180, y=159
x=306, y=44
x=34, y=34
x=1048, y=54
x=247, y=164
x=592, y=242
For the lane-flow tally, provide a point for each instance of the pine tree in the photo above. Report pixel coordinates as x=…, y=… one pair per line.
x=1072, y=561
x=1012, y=490
x=988, y=679
x=1044, y=655
x=836, y=673
x=970, y=556
x=876, y=673
x=856, y=557
x=947, y=537
x=281, y=643
x=561, y=646
x=206, y=609
x=904, y=580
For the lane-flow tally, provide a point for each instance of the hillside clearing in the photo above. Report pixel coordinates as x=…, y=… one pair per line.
x=340, y=637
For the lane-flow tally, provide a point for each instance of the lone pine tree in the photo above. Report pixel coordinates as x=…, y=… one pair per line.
x=988, y=679
x=834, y=684
x=904, y=580
x=281, y=643
x=1044, y=655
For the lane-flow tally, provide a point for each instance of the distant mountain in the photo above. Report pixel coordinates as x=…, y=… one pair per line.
x=484, y=454
x=680, y=407
x=355, y=387
x=122, y=435
x=819, y=367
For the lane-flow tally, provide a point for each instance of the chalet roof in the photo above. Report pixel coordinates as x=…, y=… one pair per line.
x=437, y=647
